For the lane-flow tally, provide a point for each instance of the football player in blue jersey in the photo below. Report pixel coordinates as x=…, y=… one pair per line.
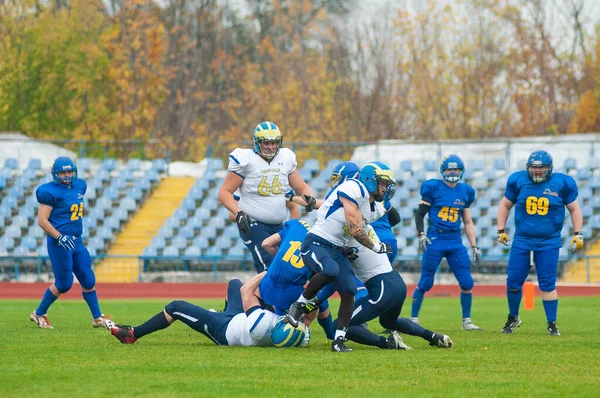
x=539, y=197
x=61, y=216
x=287, y=274
x=262, y=175
x=243, y=322
x=447, y=202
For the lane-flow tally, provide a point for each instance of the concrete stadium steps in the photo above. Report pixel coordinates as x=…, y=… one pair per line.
x=577, y=272
x=140, y=230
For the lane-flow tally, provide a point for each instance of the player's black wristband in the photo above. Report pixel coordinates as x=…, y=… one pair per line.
x=577, y=233
x=291, y=198
x=501, y=231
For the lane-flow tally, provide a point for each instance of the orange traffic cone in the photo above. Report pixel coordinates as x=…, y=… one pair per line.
x=529, y=296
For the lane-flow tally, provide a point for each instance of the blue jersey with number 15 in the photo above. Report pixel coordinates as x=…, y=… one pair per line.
x=67, y=205
x=287, y=266
x=539, y=209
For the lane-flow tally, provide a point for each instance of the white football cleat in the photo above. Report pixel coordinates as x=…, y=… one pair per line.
x=394, y=342
x=102, y=322
x=441, y=341
x=41, y=320
x=468, y=325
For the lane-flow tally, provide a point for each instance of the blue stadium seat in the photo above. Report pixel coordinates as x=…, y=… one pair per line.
x=583, y=174
x=411, y=184
x=128, y=204
x=29, y=242
x=2, y=182
x=495, y=251
x=406, y=213
x=401, y=242
x=152, y=175
x=149, y=252
x=95, y=183
x=165, y=232
x=96, y=242
x=11, y=163
x=113, y=223
x=135, y=193
x=7, y=242
x=489, y=174
x=595, y=202
x=134, y=164
x=570, y=163
x=311, y=165
x=594, y=221
x=468, y=174
x=192, y=251
x=20, y=251
x=111, y=193
x=195, y=193
x=105, y=233
x=201, y=242
x=28, y=175
x=218, y=223
x=195, y=221
x=120, y=183
x=97, y=212
x=172, y=222
x=484, y=202
x=585, y=193
x=170, y=251
x=180, y=214
x=188, y=204
x=109, y=164
x=84, y=164
x=143, y=184
x=475, y=165
x=410, y=251
x=406, y=165
x=102, y=175
x=160, y=165
x=12, y=231
x=36, y=231
x=214, y=251
x=237, y=251
x=485, y=243
x=121, y=214
x=158, y=242
x=179, y=242
x=42, y=251
x=215, y=163
x=188, y=232
x=305, y=174
x=430, y=165
x=500, y=164
x=5, y=211
x=587, y=211
x=35, y=164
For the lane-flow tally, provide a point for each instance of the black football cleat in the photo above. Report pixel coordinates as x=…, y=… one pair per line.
x=512, y=323
x=552, y=329
x=339, y=346
x=295, y=312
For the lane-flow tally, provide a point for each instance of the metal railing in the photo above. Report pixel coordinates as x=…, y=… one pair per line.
x=223, y=268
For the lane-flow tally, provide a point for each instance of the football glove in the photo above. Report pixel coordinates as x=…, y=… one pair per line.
x=576, y=241
x=66, y=242
x=243, y=222
x=382, y=248
x=503, y=237
x=476, y=255
x=423, y=241
x=350, y=253
x=310, y=203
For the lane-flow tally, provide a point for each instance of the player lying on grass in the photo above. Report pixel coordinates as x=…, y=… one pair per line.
x=243, y=322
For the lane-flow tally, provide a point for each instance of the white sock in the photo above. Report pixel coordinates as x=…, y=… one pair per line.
x=340, y=333
x=302, y=299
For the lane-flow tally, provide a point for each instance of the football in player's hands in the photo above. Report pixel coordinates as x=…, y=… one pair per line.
x=243, y=222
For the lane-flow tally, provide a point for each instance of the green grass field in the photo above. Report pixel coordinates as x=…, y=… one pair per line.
x=76, y=360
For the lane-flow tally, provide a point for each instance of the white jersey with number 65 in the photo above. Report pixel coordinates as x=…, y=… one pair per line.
x=262, y=194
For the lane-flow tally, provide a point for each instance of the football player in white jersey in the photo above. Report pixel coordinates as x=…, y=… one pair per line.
x=386, y=295
x=263, y=176
x=242, y=323
x=344, y=214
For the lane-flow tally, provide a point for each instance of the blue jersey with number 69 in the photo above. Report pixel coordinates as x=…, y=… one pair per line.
x=287, y=266
x=67, y=205
x=539, y=209
x=447, y=205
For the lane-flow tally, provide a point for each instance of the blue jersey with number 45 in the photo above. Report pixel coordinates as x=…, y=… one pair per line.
x=447, y=205
x=287, y=266
x=539, y=209
x=67, y=205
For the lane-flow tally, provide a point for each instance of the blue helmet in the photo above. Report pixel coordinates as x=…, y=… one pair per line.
x=265, y=132
x=342, y=172
x=62, y=164
x=452, y=162
x=375, y=174
x=539, y=160
x=285, y=335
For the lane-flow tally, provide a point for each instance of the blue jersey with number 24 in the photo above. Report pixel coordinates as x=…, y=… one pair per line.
x=67, y=205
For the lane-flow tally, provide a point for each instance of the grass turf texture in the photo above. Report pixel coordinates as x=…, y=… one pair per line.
x=76, y=360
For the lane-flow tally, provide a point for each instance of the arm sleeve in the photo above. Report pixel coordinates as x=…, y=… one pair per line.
x=238, y=160
x=44, y=197
x=393, y=216
x=470, y=196
x=512, y=190
x=420, y=217
x=260, y=323
x=570, y=191
x=427, y=191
